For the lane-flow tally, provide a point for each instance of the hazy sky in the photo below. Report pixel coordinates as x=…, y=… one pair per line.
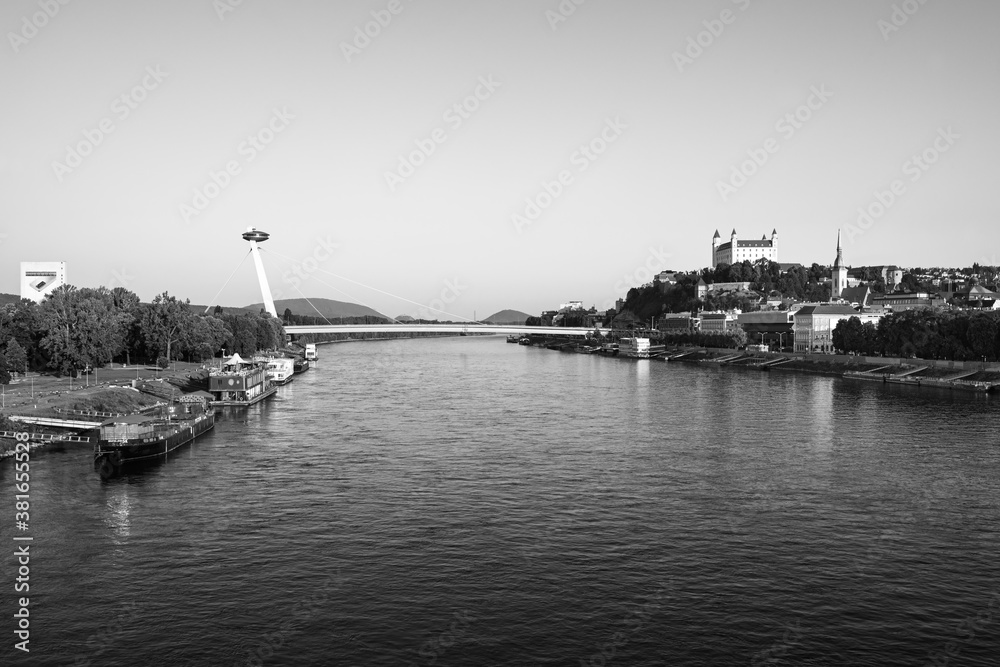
x=406, y=160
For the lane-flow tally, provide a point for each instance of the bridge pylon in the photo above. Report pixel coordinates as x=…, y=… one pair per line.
x=255, y=236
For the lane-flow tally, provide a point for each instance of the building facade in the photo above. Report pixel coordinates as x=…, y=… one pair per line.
x=719, y=322
x=813, y=325
x=39, y=279
x=736, y=251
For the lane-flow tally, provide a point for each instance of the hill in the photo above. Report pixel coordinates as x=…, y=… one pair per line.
x=328, y=307
x=507, y=317
x=8, y=298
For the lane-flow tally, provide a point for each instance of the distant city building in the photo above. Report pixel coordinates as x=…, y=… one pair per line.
x=666, y=277
x=720, y=322
x=858, y=296
x=897, y=301
x=678, y=323
x=977, y=296
x=736, y=251
x=814, y=325
x=773, y=326
x=839, y=274
x=728, y=287
x=40, y=278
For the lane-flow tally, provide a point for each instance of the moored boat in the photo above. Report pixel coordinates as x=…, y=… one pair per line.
x=239, y=383
x=138, y=437
x=279, y=370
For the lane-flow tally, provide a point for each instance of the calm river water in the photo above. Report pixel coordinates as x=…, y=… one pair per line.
x=463, y=501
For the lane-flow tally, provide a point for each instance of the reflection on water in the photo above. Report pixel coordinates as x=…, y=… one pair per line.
x=118, y=514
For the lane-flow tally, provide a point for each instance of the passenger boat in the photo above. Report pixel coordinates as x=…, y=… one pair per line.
x=146, y=436
x=300, y=365
x=279, y=370
x=239, y=382
x=513, y=338
x=524, y=341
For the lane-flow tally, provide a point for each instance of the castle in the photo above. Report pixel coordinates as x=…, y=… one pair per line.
x=737, y=251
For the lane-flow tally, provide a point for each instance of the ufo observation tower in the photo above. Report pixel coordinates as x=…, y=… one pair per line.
x=255, y=236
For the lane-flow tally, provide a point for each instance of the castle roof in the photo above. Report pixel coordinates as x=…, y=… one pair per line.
x=716, y=235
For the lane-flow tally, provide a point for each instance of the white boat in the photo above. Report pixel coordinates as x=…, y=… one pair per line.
x=280, y=370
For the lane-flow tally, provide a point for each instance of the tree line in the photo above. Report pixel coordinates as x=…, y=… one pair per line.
x=78, y=328
x=959, y=335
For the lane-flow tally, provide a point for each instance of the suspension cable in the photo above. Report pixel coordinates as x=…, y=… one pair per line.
x=395, y=296
x=352, y=298
x=227, y=281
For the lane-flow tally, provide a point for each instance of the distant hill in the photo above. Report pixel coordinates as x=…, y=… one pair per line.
x=507, y=317
x=9, y=298
x=328, y=307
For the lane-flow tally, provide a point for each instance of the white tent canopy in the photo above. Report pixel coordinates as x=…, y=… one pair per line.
x=236, y=360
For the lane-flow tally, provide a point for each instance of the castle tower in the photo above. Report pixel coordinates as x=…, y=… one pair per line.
x=839, y=277
x=715, y=248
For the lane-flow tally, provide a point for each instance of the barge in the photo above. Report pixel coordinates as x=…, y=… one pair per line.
x=138, y=437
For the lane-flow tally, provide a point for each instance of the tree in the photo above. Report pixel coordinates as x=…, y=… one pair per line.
x=15, y=356
x=163, y=323
x=81, y=328
x=202, y=337
x=4, y=374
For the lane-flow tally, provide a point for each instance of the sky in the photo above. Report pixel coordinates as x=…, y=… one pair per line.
x=474, y=155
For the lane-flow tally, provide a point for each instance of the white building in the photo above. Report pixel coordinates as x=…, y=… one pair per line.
x=814, y=324
x=40, y=278
x=736, y=251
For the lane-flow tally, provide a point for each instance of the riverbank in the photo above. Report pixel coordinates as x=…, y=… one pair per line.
x=957, y=375
x=108, y=390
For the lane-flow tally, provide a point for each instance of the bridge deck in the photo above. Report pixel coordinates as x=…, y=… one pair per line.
x=436, y=328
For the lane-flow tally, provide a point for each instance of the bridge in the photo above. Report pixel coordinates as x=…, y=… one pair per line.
x=256, y=237
x=435, y=328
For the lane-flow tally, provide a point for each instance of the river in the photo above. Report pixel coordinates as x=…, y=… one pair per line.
x=462, y=501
